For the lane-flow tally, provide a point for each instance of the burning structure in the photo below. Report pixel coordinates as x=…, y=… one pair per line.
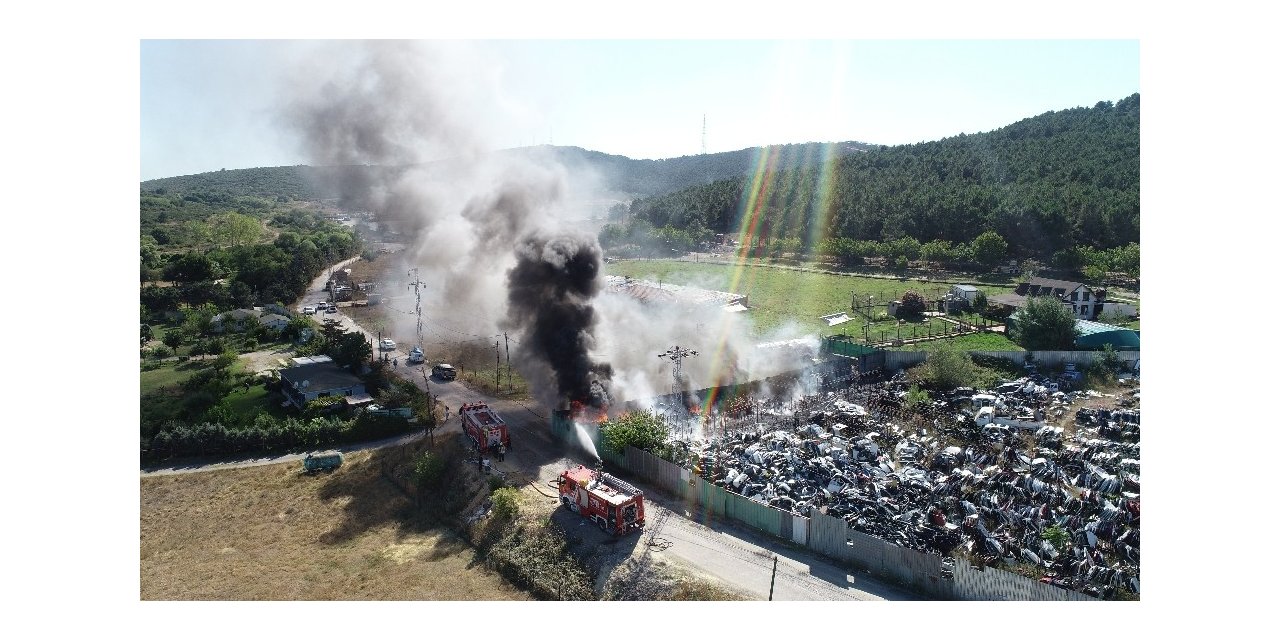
x=665, y=293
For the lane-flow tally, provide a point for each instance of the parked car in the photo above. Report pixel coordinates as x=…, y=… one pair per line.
x=309, y=310
x=387, y=344
x=444, y=372
x=332, y=308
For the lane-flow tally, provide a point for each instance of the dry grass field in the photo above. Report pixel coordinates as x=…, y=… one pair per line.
x=270, y=533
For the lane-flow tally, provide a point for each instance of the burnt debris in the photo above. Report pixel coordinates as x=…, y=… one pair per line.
x=973, y=472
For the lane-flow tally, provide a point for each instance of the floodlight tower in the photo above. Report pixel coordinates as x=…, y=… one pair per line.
x=677, y=355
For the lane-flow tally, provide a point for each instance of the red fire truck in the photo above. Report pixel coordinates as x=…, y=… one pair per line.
x=615, y=506
x=485, y=427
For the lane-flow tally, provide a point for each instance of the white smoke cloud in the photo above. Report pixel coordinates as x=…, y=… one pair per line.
x=403, y=128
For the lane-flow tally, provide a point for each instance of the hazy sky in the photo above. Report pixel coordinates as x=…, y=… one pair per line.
x=212, y=104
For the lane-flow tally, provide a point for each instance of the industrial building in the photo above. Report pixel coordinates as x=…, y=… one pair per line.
x=663, y=293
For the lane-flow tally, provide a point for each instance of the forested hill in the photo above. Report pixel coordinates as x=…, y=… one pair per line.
x=1058, y=180
x=652, y=177
x=292, y=183
x=625, y=177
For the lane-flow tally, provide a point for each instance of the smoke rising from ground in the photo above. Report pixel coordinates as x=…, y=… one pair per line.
x=632, y=333
x=400, y=128
x=387, y=121
x=551, y=291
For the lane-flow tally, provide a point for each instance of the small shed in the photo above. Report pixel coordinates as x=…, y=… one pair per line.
x=966, y=291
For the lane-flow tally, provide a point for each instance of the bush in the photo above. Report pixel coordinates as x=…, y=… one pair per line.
x=912, y=305
x=506, y=503
x=1057, y=536
x=917, y=398
x=640, y=429
x=1045, y=324
x=946, y=369
x=429, y=470
x=324, y=406
x=1103, y=369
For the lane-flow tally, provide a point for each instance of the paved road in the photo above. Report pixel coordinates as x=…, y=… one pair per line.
x=745, y=559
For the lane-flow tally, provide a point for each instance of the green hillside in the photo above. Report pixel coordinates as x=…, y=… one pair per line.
x=619, y=174
x=1061, y=182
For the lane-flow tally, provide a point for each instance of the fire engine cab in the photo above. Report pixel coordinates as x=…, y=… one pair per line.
x=484, y=427
x=615, y=506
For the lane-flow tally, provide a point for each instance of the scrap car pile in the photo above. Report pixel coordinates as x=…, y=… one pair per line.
x=984, y=476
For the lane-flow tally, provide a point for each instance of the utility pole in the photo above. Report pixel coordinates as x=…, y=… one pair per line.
x=497, y=365
x=677, y=355
x=773, y=577
x=507, y=345
x=415, y=284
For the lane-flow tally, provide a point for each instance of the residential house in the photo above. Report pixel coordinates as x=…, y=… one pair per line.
x=274, y=321
x=305, y=360
x=307, y=382
x=236, y=320
x=241, y=319
x=1086, y=302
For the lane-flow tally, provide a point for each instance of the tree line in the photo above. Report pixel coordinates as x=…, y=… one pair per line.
x=1060, y=186
x=241, y=270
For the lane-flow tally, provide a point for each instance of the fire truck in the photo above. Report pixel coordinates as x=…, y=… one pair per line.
x=484, y=427
x=615, y=506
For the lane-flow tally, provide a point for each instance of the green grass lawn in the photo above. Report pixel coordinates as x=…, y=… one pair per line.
x=170, y=374
x=158, y=406
x=251, y=402
x=970, y=342
x=778, y=296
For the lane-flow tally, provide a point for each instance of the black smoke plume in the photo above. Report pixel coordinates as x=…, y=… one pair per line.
x=549, y=296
